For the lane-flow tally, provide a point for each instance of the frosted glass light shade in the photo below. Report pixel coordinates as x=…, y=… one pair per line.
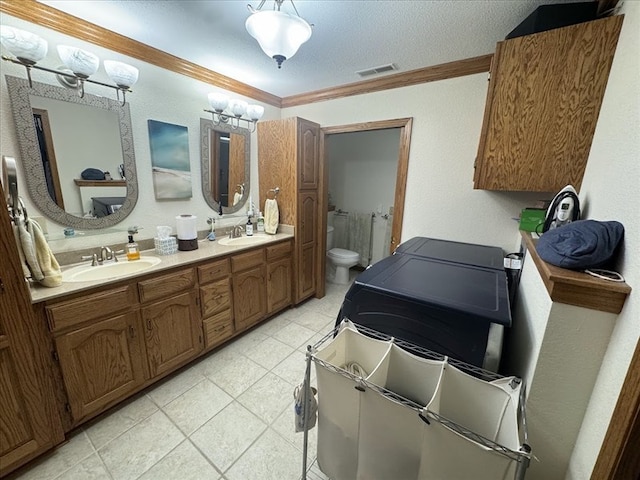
x=238, y=107
x=255, y=112
x=25, y=46
x=122, y=74
x=218, y=101
x=80, y=62
x=278, y=33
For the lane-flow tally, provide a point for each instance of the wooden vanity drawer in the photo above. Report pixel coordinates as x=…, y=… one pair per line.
x=215, y=297
x=165, y=285
x=217, y=329
x=247, y=260
x=279, y=250
x=91, y=307
x=214, y=270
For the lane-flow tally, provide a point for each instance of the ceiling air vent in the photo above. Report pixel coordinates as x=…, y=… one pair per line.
x=377, y=70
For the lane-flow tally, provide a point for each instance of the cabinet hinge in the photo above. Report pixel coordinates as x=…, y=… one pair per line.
x=54, y=354
x=489, y=77
x=67, y=407
x=200, y=339
x=475, y=162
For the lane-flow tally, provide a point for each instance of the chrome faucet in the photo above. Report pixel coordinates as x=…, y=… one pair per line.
x=236, y=231
x=105, y=254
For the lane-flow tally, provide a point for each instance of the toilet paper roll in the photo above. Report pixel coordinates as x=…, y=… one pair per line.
x=186, y=227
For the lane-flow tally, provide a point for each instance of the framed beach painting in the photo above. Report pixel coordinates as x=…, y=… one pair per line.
x=170, y=160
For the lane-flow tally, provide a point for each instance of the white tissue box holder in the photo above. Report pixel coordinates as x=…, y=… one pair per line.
x=165, y=246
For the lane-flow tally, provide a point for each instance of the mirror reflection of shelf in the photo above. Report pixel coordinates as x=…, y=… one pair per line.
x=100, y=183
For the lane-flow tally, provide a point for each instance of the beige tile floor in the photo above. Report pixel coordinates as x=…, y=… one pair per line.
x=227, y=416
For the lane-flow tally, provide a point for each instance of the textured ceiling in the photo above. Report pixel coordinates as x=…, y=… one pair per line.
x=347, y=35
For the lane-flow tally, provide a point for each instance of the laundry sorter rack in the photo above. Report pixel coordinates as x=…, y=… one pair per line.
x=388, y=409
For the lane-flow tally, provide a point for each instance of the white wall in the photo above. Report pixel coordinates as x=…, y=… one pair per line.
x=610, y=192
x=362, y=178
x=440, y=200
x=159, y=95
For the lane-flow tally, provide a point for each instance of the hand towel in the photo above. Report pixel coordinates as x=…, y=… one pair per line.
x=49, y=266
x=23, y=261
x=271, y=216
x=28, y=248
x=39, y=258
x=236, y=198
x=360, y=235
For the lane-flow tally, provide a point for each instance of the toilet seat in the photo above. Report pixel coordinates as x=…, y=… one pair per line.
x=342, y=254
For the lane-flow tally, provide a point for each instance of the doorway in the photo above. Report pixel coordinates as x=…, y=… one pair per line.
x=404, y=125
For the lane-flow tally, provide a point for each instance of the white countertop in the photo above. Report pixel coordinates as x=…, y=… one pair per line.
x=206, y=250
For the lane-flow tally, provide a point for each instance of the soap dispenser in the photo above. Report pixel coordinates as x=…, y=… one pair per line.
x=249, y=227
x=132, y=249
x=260, y=223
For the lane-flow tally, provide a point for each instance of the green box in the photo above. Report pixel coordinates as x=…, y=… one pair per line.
x=531, y=219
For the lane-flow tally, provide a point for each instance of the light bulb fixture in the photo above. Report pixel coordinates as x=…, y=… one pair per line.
x=28, y=49
x=279, y=34
x=232, y=111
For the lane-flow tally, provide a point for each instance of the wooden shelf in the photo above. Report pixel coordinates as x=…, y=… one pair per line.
x=100, y=183
x=577, y=288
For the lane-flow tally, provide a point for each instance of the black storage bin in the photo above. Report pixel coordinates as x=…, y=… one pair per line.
x=443, y=306
x=548, y=17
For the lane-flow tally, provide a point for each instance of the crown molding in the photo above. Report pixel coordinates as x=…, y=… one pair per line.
x=442, y=71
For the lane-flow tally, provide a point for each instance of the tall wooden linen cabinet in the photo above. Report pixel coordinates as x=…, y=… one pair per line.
x=289, y=159
x=29, y=421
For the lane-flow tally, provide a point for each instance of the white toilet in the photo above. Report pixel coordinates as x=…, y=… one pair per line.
x=340, y=261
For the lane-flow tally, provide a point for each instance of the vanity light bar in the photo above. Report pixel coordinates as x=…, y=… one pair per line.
x=29, y=49
x=225, y=110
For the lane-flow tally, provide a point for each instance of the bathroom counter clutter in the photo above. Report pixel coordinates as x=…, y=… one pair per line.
x=206, y=251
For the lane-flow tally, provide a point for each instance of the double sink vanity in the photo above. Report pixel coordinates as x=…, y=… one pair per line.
x=117, y=328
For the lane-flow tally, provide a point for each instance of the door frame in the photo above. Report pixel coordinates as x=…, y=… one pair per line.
x=405, y=125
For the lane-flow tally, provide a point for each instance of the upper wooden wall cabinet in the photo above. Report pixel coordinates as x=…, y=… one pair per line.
x=544, y=97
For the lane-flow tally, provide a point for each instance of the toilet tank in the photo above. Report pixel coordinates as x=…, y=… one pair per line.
x=329, y=237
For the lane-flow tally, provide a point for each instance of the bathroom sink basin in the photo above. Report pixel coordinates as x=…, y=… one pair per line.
x=87, y=273
x=253, y=240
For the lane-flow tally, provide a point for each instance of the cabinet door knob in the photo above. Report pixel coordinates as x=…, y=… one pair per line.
x=149, y=325
x=132, y=332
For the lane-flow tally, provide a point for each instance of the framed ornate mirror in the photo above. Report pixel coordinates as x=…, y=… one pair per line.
x=59, y=136
x=225, y=162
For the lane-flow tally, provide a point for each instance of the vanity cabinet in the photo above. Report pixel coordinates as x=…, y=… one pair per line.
x=99, y=348
x=278, y=277
x=216, y=302
x=249, y=290
x=101, y=363
x=172, y=326
x=112, y=341
x=543, y=101
x=289, y=158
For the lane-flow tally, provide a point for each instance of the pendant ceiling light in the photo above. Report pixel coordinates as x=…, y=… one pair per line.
x=279, y=34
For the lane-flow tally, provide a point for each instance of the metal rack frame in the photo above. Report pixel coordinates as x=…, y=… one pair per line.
x=521, y=456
